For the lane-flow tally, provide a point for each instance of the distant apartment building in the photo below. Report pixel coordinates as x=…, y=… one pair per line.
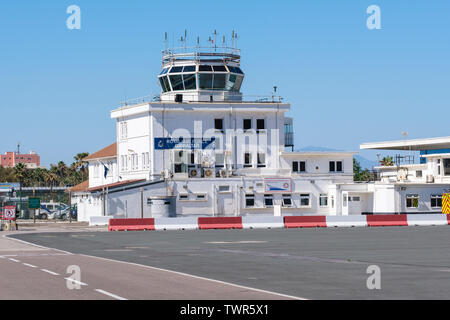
x=10, y=159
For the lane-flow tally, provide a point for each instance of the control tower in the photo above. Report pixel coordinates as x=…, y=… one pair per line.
x=199, y=74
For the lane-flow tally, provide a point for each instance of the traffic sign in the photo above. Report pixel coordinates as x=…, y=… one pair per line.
x=34, y=203
x=9, y=213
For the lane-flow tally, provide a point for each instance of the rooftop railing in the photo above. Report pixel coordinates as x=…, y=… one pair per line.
x=210, y=53
x=187, y=98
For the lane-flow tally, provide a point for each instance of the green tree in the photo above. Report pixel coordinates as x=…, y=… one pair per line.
x=387, y=161
x=81, y=165
x=361, y=175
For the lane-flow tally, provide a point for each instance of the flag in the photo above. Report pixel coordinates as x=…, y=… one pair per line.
x=106, y=169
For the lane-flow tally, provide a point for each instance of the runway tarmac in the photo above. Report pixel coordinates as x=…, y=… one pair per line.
x=304, y=263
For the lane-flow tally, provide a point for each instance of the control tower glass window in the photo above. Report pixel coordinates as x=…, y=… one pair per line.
x=219, y=81
x=189, y=69
x=190, y=81
x=176, y=69
x=219, y=69
x=205, y=68
x=164, y=84
x=205, y=80
x=177, y=82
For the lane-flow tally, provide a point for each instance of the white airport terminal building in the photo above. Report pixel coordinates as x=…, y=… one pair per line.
x=202, y=149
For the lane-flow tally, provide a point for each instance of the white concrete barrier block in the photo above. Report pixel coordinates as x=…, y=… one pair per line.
x=262, y=222
x=346, y=221
x=180, y=223
x=99, y=220
x=426, y=219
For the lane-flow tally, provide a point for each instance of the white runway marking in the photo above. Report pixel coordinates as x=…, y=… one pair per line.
x=29, y=265
x=13, y=260
x=198, y=277
x=51, y=272
x=76, y=281
x=234, y=242
x=110, y=294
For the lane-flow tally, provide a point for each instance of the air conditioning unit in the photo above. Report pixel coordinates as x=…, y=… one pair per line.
x=209, y=173
x=194, y=173
x=430, y=178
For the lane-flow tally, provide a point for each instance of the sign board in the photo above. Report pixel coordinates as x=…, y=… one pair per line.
x=277, y=185
x=184, y=143
x=446, y=203
x=6, y=186
x=34, y=203
x=9, y=213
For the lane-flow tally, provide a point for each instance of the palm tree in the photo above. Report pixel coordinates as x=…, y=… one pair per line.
x=80, y=164
x=62, y=170
x=20, y=171
x=387, y=161
x=50, y=178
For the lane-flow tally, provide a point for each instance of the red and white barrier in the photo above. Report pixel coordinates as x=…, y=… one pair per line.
x=386, y=220
x=427, y=219
x=134, y=224
x=266, y=222
x=182, y=223
x=304, y=221
x=346, y=221
x=262, y=222
x=220, y=223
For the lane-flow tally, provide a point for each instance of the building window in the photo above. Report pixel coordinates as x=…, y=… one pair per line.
x=335, y=166
x=299, y=166
x=323, y=200
x=247, y=125
x=96, y=171
x=412, y=201
x=179, y=161
x=183, y=197
x=201, y=197
x=261, y=160
x=224, y=189
x=439, y=167
x=260, y=125
x=123, y=130
x=304, y=200
x=436, y=201
x=447, y=167
x=268, y=200
x=419, y=174
x=220, y=160
x=247, y=160
x=218, y=124
x=286, y=200
x=249, y=200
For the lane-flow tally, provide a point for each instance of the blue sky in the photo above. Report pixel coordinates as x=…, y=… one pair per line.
x=346, y=84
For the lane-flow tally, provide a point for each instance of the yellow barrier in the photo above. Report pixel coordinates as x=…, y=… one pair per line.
x=446, y=203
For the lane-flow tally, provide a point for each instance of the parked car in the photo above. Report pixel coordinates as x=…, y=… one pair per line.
x=43, y=213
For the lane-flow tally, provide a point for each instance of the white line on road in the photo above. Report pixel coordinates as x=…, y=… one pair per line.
x=76, y=281
x=198, y=277
x=29, y=265
x=51, y=272
x=110, y=294
x=13, y=260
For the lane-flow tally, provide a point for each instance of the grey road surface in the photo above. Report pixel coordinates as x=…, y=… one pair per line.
x=309, y=263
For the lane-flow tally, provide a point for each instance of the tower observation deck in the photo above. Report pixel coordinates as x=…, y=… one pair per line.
x=201, y=74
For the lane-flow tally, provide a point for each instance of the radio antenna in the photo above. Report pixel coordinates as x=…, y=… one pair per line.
x=165, y=41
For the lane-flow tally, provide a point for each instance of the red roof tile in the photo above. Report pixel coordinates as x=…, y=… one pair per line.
x=109, y=151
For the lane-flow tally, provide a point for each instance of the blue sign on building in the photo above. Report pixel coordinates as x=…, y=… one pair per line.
x=184, y=143
x=435, y=151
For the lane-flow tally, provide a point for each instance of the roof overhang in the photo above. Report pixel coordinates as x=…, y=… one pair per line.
x=409, y=145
